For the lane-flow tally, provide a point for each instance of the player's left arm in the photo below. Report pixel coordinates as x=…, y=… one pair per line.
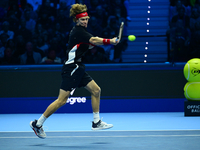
x=101, y=41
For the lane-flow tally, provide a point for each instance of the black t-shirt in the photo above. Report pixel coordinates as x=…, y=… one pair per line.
x=78, y=44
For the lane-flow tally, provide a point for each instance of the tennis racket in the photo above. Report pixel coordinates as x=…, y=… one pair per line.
x=120, y=31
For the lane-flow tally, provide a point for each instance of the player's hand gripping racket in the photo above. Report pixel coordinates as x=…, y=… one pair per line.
x=120, y=31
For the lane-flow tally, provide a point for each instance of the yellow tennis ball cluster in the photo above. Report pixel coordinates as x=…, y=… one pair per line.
x=192, y=74
x=131, y=37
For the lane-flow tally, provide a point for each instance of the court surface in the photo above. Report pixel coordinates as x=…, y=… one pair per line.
x=131, y=131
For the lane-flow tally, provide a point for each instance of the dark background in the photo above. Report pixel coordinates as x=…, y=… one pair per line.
x=128, y=82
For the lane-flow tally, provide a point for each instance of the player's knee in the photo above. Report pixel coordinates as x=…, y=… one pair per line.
x=97, y=92
x=61, y=102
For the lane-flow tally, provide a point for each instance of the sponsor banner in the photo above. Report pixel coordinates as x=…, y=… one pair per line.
x=192, y=108
x=73, y=100
x=83, y=105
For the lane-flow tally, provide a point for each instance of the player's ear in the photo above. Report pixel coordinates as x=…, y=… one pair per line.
x=77, y=20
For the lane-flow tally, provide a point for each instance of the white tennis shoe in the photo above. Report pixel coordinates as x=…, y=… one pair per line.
x=38, y=130
x=101, y=125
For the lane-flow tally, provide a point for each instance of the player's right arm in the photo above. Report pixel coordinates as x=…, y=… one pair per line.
x=101, y=41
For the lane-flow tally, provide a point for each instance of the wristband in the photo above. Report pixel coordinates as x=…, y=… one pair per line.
x=106, y=41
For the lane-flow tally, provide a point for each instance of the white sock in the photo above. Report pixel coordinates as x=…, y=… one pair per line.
x=40, y=121
x=96, y=117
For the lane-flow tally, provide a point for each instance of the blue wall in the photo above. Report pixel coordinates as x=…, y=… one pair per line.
x=38, y=105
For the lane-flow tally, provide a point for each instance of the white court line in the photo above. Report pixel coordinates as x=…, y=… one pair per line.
x=117, y=136
x=175, y=130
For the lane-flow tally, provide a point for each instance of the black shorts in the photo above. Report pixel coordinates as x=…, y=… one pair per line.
x=74, y=76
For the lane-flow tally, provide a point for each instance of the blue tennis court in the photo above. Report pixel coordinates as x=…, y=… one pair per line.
x=131, y=131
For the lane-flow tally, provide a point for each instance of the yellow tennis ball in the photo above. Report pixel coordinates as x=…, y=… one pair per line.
x=192, y=91
x=192, y=70
x=131, y=37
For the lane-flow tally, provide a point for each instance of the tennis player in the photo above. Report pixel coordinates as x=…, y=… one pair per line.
x=73, y=71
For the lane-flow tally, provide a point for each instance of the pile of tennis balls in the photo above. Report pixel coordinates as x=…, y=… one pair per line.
x=192, y=74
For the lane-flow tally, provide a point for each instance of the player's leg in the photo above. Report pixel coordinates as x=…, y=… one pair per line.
x=95, y=91
x=60, y=101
